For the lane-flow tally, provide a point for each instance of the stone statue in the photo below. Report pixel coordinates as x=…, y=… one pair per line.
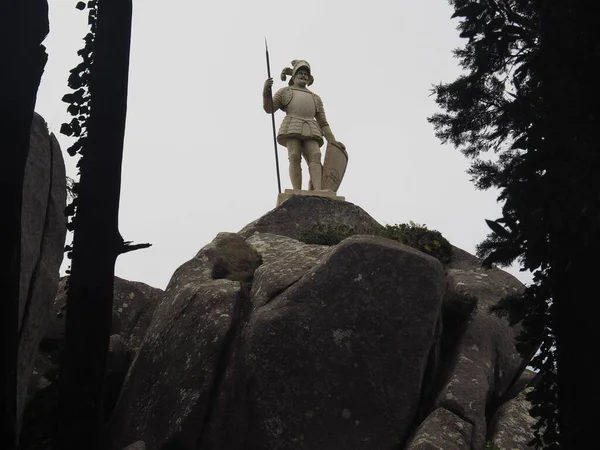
x=304, y=127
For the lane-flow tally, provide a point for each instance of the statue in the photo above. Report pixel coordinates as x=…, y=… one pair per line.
x=303, y=129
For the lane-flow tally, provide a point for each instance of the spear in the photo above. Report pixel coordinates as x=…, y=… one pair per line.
x=273, y=119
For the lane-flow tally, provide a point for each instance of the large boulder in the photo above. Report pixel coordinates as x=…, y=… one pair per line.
x=183, y=351
x=327, y=348
x=337, y=359
x=43, y=232
x=262, y=341
x=299, y=212
x=483, y=362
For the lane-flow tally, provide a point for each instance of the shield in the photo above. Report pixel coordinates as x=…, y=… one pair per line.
x=334, y=166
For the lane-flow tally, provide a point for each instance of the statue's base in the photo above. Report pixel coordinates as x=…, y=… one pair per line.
x=289, y=192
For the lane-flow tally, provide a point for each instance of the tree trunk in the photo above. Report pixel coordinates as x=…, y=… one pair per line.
x=23, y=27
x=577, y=334
x=96, y=242
x=570, y=41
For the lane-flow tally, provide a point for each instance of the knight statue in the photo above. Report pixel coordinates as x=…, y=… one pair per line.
x=303, y=129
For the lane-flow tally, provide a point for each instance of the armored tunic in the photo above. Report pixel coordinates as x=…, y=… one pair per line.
x=305, y=117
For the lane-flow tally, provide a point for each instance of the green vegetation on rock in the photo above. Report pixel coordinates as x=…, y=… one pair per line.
x=326, y=234
x=414, y=235
x=489, y=445
x=420, y=237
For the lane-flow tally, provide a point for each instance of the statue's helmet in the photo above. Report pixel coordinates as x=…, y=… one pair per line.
x=297, y=64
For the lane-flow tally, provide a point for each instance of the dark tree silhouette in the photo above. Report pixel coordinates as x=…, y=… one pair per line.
x=529, y=95
x=23, y=27
x=97, y=241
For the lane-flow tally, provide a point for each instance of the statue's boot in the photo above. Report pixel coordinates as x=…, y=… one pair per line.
x=316, y=173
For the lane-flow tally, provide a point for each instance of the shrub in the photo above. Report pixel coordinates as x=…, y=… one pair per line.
x=420, y=237
x=325, y=234
x=417, y=236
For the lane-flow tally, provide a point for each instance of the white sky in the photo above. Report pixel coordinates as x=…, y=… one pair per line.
x=199, y=156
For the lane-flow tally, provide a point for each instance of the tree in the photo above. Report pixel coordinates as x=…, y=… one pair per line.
x=23, y=27
x=101, y=111
x=525, y=113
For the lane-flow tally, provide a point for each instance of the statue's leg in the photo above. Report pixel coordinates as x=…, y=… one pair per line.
x=294, y=147
x=312, y=153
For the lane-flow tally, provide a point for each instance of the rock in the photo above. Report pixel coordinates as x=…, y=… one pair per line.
x=512, y=424
x=510, y=427
x=195, y=317
x=227, y=256
x=328, y=350
x=442, y=430
x=465, y=275
x=119, y=355
x=285, y=261
x=262, y=341
x=337, y=359
x=484, y=362
x=176, y=366
x=527, y=379
x=117, y=364
x=301, y=212
x=138, y=445
x=133, y=306
x=42, y=243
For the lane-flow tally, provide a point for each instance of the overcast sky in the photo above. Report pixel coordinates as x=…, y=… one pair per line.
x=199, y=156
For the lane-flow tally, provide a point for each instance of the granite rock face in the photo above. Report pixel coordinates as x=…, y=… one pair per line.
x=42, y=242
x=300, y=212
x=442, y=430
x=284, y=262
x=484, y=362
x=328, y=347
x=337, y=359
x=261, y=341
x=195, y=317
x=511, y=425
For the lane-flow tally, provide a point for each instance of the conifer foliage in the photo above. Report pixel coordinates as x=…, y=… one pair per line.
x=523, y=112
